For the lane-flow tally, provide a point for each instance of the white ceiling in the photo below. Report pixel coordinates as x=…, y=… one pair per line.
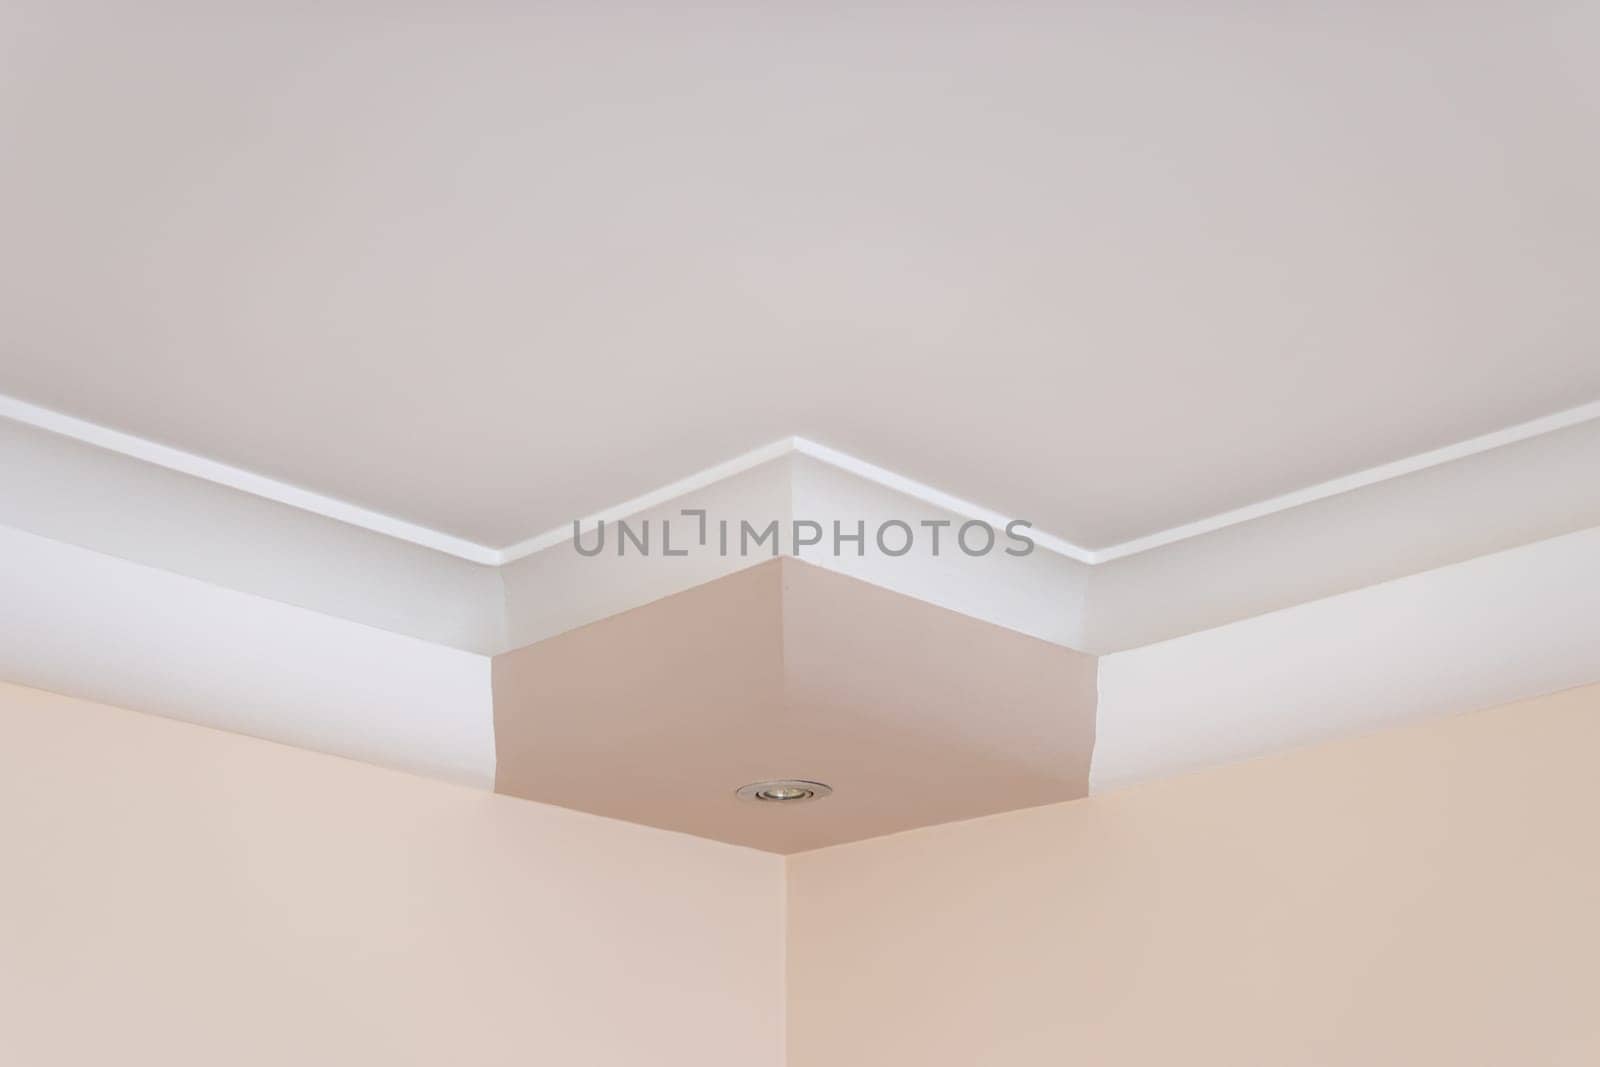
x=488, y=269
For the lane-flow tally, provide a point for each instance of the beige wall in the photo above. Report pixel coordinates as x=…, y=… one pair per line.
x=1428, y=895
x=174, y=895
x=178, y=896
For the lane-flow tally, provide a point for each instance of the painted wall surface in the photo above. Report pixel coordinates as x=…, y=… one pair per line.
x=1424, y=895
x=174, y=895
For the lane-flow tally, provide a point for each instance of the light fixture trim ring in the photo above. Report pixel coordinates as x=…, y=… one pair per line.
x=784, y=791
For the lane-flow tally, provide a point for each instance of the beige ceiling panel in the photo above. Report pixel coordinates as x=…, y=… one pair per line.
x=915, y=715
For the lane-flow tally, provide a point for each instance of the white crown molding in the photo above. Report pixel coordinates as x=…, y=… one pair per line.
x=655, y=498
x=1523, y=431
x=246, y=481
x=377, y=522
x=935, y=498
x=788, y=446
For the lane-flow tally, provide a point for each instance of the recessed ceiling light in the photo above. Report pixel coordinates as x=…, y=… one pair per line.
x=784, y=791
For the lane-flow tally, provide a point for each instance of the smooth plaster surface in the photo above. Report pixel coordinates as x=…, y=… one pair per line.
x=180, y=897
x=1423, y=895
x=174, y=895
x=1110, y=267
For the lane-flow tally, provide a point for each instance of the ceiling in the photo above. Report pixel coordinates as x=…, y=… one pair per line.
x=487, y=269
